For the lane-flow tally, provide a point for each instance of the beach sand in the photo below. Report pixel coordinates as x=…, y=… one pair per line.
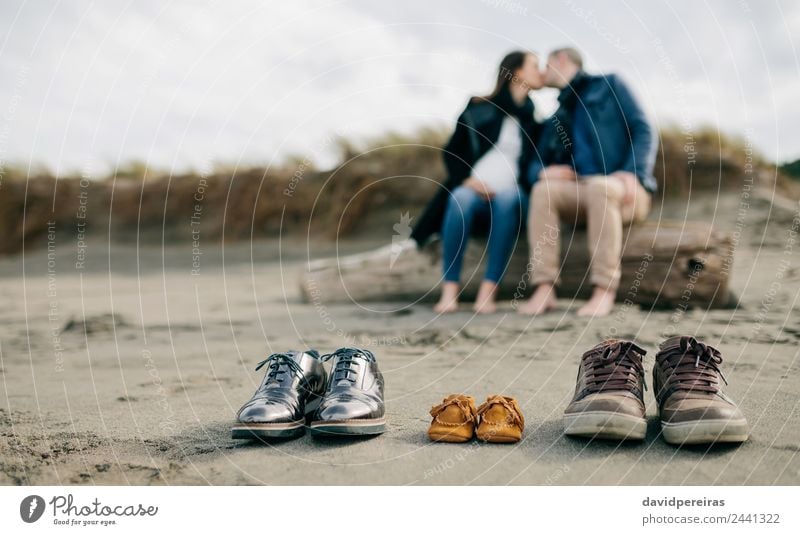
x=131, y=369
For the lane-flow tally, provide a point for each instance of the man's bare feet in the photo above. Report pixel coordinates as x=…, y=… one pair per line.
x=485, y=303
x=600, y=304
x=543, y=300
x=448, y=302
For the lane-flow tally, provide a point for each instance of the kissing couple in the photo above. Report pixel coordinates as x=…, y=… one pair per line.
x=590, y=163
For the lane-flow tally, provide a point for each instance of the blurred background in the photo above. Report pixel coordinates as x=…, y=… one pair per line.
x=324, y=119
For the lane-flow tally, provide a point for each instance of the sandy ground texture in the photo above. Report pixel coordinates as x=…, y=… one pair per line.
x=131, y=369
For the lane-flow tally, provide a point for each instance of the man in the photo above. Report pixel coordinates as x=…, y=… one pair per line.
x=594, y=167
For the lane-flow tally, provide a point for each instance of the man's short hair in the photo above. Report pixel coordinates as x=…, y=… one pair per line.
x=572, y=53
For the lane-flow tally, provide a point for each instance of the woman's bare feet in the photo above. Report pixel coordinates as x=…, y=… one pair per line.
x=448, y=302
x=600, y=304
x=543, y=300
x=485, y=303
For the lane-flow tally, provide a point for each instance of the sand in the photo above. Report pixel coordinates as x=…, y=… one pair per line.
x=131, y=369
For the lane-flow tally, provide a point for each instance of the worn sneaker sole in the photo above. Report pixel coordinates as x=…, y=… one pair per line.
x=609, y=425
x=374, y=426
x=251, y=431
x=705, y=431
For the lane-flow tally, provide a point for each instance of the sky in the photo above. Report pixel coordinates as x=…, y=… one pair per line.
x=88, y=86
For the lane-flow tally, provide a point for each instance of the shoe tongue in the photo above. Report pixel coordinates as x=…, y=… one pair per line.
x=608, y=342
x=601, y=345
x=673, y=341
x=284, y=372
x=343, y=380
x=347, y=378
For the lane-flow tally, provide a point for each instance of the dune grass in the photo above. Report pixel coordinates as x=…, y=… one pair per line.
x=392, y=172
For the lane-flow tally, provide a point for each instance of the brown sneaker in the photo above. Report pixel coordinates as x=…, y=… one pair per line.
x=693, y=409
x=453, y=419
x=609, y=397
x=501, y=420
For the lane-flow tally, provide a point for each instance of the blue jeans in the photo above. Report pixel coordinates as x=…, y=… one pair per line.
x=504, y=212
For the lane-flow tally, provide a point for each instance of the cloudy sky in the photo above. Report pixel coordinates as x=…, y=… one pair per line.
x=89, y=85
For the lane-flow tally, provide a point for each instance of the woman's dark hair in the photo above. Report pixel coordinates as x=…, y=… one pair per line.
x=505, y=73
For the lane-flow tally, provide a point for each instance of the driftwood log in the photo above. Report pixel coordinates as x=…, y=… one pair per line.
x=664, y=264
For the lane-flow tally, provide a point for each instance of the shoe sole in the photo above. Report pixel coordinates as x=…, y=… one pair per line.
x=607, y=425
x=374, y=426
x=444, y=437
x=705, y=431
x=266, y=431
x=245, y=431
x=498, y=439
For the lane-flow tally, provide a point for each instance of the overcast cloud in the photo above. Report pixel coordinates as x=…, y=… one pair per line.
x=181, y=84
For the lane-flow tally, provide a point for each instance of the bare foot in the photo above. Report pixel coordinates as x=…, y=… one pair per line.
x=448, y=302
x=600, y=304
x=485, y=303
x=543, y=300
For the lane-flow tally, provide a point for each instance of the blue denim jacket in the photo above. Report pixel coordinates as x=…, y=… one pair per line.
x=626, y=140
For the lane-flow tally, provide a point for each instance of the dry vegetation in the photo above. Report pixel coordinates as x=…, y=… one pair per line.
x=394, y=172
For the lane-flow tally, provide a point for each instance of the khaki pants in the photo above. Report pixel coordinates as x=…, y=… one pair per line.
x=595, y=201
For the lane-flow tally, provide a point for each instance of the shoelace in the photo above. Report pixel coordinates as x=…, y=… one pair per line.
x=699, y=371
x=509, y=403
x=343, y=368
x=611, y=367
x=276, y=368
x=459, y=401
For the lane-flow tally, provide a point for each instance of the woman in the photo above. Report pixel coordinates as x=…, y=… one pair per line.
x=486, y=161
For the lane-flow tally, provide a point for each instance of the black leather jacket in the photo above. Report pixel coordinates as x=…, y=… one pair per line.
x=477, y=130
